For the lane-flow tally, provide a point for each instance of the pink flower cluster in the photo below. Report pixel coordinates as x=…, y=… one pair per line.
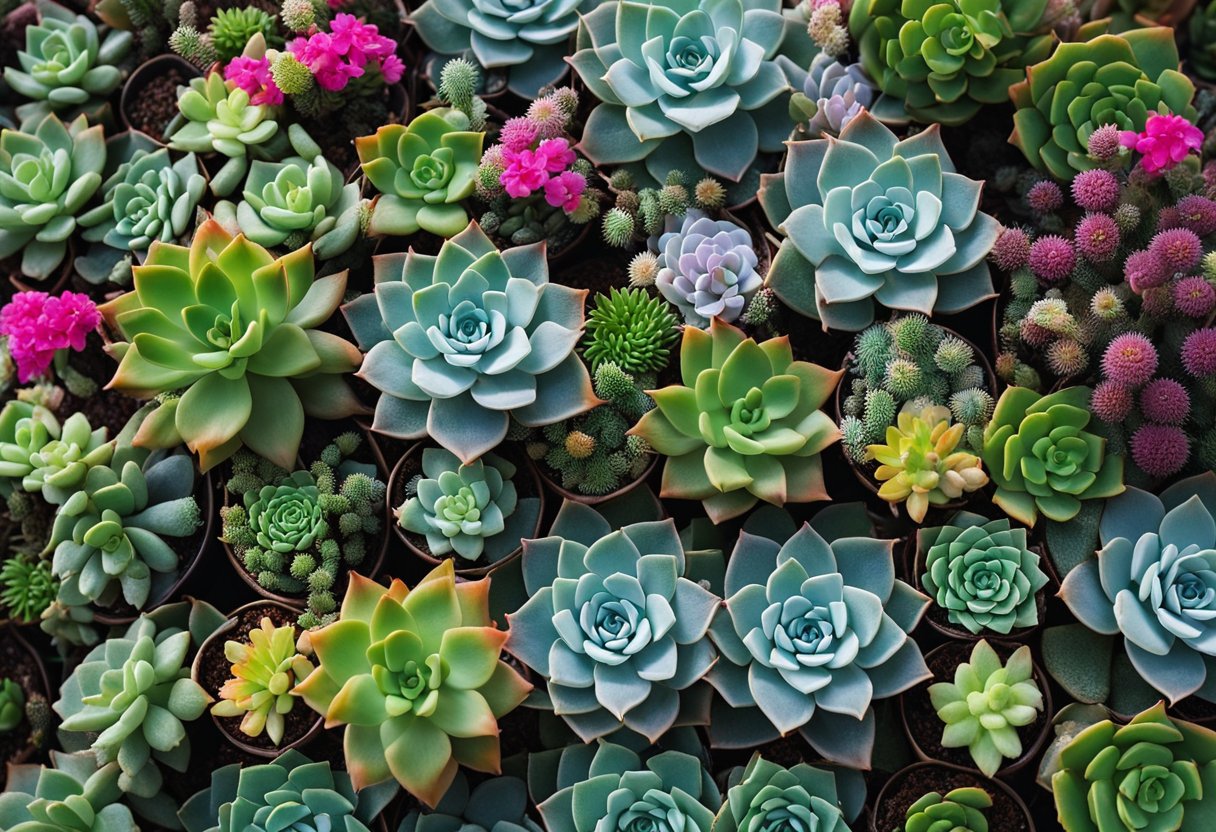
x=1166, y=141
x=253, y=76
x=527, y=170
x=336, y=56
x=38, y=325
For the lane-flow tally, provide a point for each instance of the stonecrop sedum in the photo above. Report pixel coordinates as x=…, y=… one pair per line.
x=416, y=677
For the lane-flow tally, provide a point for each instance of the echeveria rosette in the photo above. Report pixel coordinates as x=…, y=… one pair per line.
x=707, y=268
x=47, y=175
x=1111, y=79
x=423, y=170
x=688, y=84
x=73, y=794
x=416, y=678
x=815, y=630
x=766, y=796
x=609, y=788
x=236, y=329
x=832, y=95
x=744, y=425
x=981, y=573
x=291, y=793
x=941, y=61
x=471, y=510
x=527, y=38
x=870, y=221
x=287, y=517
x=612, y=622
x=460, y=342
x=1154, y=581
x=1042, y=459
x=1153, y=774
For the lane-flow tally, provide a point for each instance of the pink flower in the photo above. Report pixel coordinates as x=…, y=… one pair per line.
x=336, y=56
x=556, y=153
x=38, y=325
x=253, y=76
x=565, y=190
x=392, y=69
x=1166, y=141
x=524, y=172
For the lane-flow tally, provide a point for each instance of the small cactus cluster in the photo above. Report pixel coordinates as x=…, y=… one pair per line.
x=458, y=82
x=151, y=20
x=906, y=360
x=631, y=329
x=592, y=454
x=27, y=587
x=190, y=39
x=643, y=212
x=342, y=499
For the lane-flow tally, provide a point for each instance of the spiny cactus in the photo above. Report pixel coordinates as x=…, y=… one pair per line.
x=631, y=329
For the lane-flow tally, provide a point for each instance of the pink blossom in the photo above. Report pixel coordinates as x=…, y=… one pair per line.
x=1166, y=141
x=38, y=325
x=336, y=56
x=556, y=153
x=253, y=76
x=336, y=4
x=565, y=190
x=524, y=172
x=392, y=69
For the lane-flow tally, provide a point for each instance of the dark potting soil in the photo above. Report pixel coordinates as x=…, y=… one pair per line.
x=905, y=789
x=17, y=664
x=156, y=104
x=108, y=408
x=215, y=670
x=924, y=724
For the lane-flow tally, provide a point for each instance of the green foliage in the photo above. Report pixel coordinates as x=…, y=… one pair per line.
x=12, y=704
x=632, y=329
x=27, y=587
x=959, y=810
x=231, y=29
x=496, y=804
x=76, y=794
x=265, y=668
x=458, y=82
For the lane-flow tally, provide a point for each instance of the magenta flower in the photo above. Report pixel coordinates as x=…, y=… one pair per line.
x=38, y=325
x=523, y=173
x=392, y=69
x=253, y=76
x=565, y=190
x=336, y=56
x=1166, y=141
x=556, y=153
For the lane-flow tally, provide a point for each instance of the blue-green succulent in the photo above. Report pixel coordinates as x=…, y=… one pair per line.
x=871, y=221
x=766, y=796
x=496, y=804
x=74, y=794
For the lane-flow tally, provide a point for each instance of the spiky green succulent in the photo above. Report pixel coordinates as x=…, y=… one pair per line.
x=74, y=794
x=941, y=61
x=765, y=796
x=297, y=200
x=1110, y=79
x=1042, y=459
x=237, y=330
x=266, y=667
x=630, y=328
x=67, y=66
x=981, y=573
x=49, y=174
x=871, y=221
x=231, y=29
x=472, y=510
x=147, y=196
x=959, y=810
x=27, y=587
x=744, y=425
x=291, y=792
x=423, y=171
x=612, y=622
x=415, y=676
x=458, y=343
x=986, y=703
x=59, y=468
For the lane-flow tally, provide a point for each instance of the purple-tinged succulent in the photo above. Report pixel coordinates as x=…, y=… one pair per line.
x=832, y=94
x=707, y=268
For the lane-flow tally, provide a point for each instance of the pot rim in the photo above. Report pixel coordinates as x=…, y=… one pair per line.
x=994, y=784
x=147, y=67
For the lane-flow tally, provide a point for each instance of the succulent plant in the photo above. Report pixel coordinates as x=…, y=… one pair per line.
x=25, y=429
x=497, y=803
x=753, y=432
x=631, y=329
x=472, y=510
x=58, y=469
x=130, y=697
x=1153, y=581
x=1153, y=773
x=1203, y=41
x=1111, y=79
x=941, y=61
x=609, y=788
x=49, y=175
x=832, y=95
x=146, y=197
x=291, y=792
x=236, y=329
x=612, y=622
x=458, y=342
x=12, y=704
x=74, y=795
x=232, y=28
x=764, y=795
x=981, y=573
x=67, y=66
x=416, y=677
x=215, y=118
x=911, y=236
x=298, y=200
x=920, y=464
x=707, y=268
x=815, y=630
x=688, y=84
x=111, y=536
x=959, y=810
x=986, y=703
x=528, y=40
x=1042, y=459
x=423, y=171
x=27, y=587
x=265, y=670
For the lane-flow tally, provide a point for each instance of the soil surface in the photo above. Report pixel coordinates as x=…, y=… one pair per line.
x=17, y=664
x=156, y=104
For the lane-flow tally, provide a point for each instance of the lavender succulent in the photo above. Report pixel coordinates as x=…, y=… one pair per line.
x=831, y=95
x=707, y=268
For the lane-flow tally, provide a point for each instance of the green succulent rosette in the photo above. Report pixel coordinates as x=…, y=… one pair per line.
x=74, y=794
x=287, y=517
x=766, y=796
